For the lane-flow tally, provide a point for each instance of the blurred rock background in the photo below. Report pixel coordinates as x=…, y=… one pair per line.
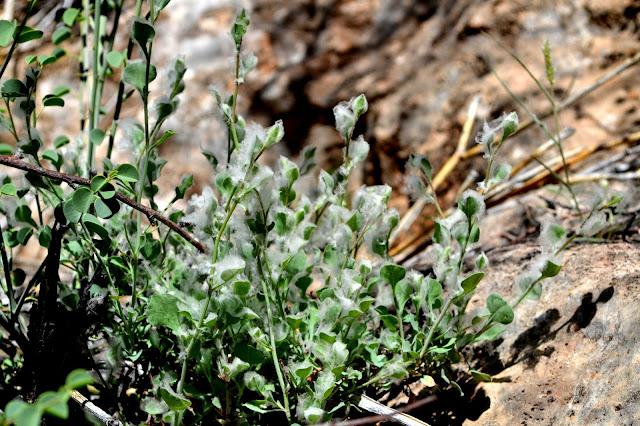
x=419, y=63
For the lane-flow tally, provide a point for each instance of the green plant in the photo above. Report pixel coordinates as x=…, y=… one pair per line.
x=284, y=307
x=53, y=403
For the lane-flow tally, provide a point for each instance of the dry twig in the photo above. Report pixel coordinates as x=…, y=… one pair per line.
x=152, y=215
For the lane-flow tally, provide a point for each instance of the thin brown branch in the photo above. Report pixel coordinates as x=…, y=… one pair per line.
x=152, y=215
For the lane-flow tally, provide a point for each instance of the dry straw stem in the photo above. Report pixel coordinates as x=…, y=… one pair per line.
x=544, y=175
x=386, y=413
x=414, y=211
x=94, y=410
x=570, y=100
x=152, y=215
x=411, y=247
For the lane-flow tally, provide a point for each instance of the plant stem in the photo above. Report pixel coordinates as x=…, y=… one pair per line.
x=274, y=351
x=95, y=100
x=232, y=125
x=203, y=315
x=151, y=214
x=16, y=36
x=435, y=325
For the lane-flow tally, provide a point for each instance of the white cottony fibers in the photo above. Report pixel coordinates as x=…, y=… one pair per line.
x=358, y=149
x=345, y=120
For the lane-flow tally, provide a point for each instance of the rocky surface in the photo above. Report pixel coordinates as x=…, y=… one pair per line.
x=572, y=356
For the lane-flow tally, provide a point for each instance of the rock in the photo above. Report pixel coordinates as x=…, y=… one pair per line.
x=572, y=356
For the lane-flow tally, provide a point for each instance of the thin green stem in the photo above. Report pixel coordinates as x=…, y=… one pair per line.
x=13, y=126
x=95, y=100
x=16, y=37
x=183, y=372
x=232, y=124
x=274, y=351
x=434, y=327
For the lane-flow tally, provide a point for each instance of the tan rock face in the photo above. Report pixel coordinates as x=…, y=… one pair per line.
x=571, y=357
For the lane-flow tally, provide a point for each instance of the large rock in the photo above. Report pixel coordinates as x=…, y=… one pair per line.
x=573, y=356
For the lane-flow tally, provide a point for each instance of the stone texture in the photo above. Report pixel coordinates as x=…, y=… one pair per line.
x=572, y=356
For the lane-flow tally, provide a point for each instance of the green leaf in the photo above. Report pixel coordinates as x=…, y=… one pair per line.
x=500, y=310
x=359, y=105
x=23, y=214
x=54, y=403
x=115, y=59
x=60, y=141
x=296, y=263
x=7, y=29
x=70, y=15
x=54, y=157
x=29, y=59
x=61, y=91
x=392, y=273
x=390, y=321
x=98, y=182
x=211, y=158
x=14, y=88
x=29, y=34
x=23, y=414
x=94, y=226
x=469, y=205
x=433, y=294
x=61, y=34
x=282, y=223
x=72, y=215
x=248, y=353
x=173, y=400
x=135, y=74
x=6, y=149
x=355, y=221
x=162, y=311
x=403, y=291
x=550, y=270
x=9, y=189
x=470, y=283
x=106, y=208
x=96, y=136
x=127, y=173
x=44, y=236
x=480, y=376
x=474, y=235
x=555, y=233
x=51, y=100
x=241, y=288
x=224, y=184
x=142, y=32
x=166, y=135
x=163, y=109
x=491, y=333
x=239, y=28
x=82, y=199
x=153, y=406
x=275, y=134
x=77, y=379
x=421, y=162
x=23, y=235
x=185, y=183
